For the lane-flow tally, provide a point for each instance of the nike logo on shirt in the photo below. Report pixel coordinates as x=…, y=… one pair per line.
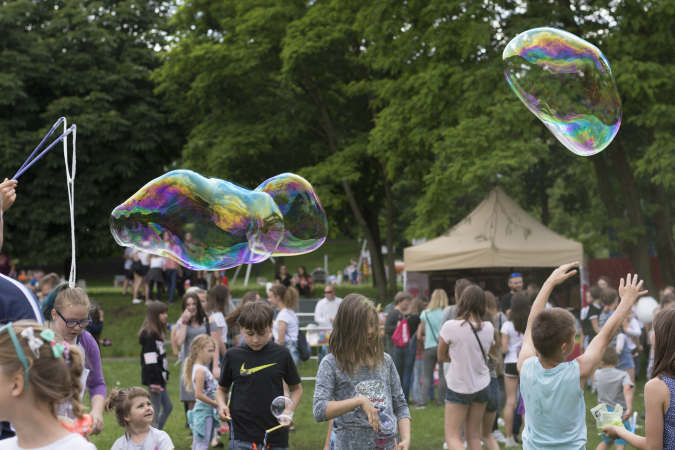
x=245, y=372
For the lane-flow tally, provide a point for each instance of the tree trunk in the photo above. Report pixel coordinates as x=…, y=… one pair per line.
x=545, y=211
x=391, y=257
x=375, y=253
x=664, y=234
x=636, y=248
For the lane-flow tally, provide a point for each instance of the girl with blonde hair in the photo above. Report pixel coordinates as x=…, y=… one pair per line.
x=197, y=378
x=427, y=332
x=66, y=313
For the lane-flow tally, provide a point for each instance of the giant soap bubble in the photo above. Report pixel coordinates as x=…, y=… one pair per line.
x=568, y=84
x=211, y=224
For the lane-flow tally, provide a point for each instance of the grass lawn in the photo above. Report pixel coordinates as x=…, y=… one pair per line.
x=122, y=321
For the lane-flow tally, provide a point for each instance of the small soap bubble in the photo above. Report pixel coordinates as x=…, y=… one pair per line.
x=568, y=84
x=283, y=409
x=212, y=224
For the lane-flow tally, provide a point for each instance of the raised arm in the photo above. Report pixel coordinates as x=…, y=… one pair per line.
x=629, y=291
x=559, y=275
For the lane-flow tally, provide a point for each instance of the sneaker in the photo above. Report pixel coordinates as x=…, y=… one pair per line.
x=420, y=407
x=511, y=442
x=499, y=437
x=445, y=446
x=136, y=301
x=501, y=422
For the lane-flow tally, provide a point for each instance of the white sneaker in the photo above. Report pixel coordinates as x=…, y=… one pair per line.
x=501, y=422
x=445, y=445
x=511, y=442
x=136, y=301
x=499, y=437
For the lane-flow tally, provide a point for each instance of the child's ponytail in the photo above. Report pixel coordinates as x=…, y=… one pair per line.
x=196, y=348
x=74, y=380
x=52, y=379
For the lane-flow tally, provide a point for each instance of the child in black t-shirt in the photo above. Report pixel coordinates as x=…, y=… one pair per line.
x=257, y=369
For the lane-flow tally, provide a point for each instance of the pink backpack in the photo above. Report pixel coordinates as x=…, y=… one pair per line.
x=401, y=335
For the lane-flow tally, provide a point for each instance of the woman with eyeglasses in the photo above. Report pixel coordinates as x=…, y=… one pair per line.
x=66, y=313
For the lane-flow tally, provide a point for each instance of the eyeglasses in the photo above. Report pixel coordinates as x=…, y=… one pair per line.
x=329, y=292
x=19, y=351
x=71, y=323
x=514, y=275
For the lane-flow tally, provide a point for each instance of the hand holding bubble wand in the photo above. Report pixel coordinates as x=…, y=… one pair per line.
x=283, y=409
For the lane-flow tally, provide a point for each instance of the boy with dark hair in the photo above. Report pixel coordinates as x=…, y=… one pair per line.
x=613, y=386
x=552, y=389
x=258, y=369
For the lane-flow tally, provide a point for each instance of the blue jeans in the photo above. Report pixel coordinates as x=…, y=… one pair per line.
x=171, y=277
x=404, y=360
x=418, y=371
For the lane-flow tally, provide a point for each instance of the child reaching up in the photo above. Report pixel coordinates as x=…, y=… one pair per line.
x=197, y=378
x=357, y=384
x=35, y=378
x=134, y=412
x=552, y=389
x=659, y=392
x=613, y=386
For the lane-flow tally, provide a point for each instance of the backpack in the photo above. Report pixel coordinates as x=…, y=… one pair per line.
x=303, y=348
x=401, y=336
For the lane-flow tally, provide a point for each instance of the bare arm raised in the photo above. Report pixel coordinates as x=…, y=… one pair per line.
x=629, y=291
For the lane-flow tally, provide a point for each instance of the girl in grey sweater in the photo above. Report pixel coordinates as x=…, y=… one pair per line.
x=358, y=386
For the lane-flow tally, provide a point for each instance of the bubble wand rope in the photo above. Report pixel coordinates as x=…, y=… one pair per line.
x=70, y=180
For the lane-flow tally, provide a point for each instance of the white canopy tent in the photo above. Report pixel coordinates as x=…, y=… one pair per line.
x=498, y=233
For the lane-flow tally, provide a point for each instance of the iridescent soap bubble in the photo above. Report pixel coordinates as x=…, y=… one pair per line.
x=304, y=218
x=201, y=223
x=283, y=409
x=568, y=84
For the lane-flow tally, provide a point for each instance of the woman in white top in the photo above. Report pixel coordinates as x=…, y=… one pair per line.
x=465, y=343
x=217, y=306
x=512, y=338
x=286, y=326
x=155, y=276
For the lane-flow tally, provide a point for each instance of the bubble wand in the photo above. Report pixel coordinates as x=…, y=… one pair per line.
x=283, y=409
x=30, y=161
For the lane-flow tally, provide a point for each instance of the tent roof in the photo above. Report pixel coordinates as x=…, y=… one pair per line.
x=498, y=233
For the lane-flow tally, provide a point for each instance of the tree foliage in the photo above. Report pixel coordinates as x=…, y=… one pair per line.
x=89, y=61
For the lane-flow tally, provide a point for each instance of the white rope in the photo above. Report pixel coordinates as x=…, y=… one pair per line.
x=70, y=183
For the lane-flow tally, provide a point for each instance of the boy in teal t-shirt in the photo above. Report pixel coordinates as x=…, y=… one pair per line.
x=552, y=389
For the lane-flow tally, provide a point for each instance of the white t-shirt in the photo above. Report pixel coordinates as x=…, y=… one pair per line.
x=515, y=340
x=129, y=251
x=155, y=440
x=70, y=442
x=157, y=262
x=326, y=310
x=465, y=353
x=219, y=318
x=143, y=257
x=292, y=325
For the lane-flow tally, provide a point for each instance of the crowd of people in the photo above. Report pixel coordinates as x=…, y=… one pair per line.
x=509, y=358
x=479, y=347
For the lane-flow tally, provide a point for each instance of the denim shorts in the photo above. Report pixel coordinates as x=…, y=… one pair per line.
x=493, y=400
x=292, y=346
x=456, y=398
x=625, y=360
x=243, y=445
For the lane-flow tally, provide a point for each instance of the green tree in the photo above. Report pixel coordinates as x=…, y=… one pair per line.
x=89, y=61
x=271, y=86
